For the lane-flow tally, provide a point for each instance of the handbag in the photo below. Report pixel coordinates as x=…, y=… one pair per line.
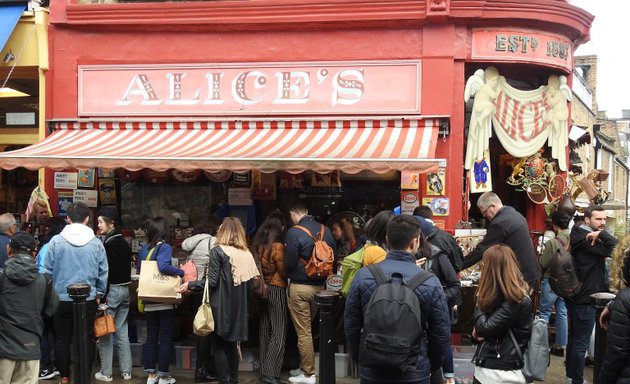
x=261, y=289
x=536, y=357
x=203, y=324
x=190, y=271
x=155, y=286
x=103, y=324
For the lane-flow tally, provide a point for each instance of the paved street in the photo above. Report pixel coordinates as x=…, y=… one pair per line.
x=555, y=375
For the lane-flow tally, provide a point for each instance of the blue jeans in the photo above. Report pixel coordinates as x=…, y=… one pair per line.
x=581, y=323
x=159, y=328
x=448, y=369
x=548, y=299
x=118, y=303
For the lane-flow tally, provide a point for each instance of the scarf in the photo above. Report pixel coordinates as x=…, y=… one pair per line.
x=243, y=265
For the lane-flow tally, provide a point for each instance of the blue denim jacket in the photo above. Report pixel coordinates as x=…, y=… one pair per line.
x=77, y=256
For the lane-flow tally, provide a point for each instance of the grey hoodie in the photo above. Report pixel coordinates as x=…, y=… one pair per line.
x=198, y=246
x=77, y=256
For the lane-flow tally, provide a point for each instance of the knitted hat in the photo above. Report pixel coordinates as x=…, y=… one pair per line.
x=23, y=241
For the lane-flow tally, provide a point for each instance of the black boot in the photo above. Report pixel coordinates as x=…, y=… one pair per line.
x=203, y=376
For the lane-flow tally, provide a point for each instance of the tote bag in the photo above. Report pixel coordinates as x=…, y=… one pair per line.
x=157, y=287
x=203, y=324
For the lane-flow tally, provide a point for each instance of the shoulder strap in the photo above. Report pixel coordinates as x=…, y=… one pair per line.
x=378, y=274
x=562, y=244
x=305, y=230
x=321, y=234
x=156, y=248
x=518, y=348
x=418, y=279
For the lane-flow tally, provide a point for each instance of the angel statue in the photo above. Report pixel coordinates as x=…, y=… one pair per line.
x=556, y=95
x=483, y=84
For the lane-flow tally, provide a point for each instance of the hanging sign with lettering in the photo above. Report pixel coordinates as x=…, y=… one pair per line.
x=523, y=120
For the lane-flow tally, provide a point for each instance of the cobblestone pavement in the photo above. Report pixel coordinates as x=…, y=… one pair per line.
x=555, y=375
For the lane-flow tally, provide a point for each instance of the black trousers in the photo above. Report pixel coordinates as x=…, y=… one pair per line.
x=64, y=326
x=225, y=359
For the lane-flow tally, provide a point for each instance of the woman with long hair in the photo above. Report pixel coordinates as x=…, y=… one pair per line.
x=160, y=317
x=343, y=233
x=503, y=307
x=231, y=269
x=268, y=249
x=118, y=298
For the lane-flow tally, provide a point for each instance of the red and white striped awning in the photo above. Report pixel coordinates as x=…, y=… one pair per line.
x=378, y=145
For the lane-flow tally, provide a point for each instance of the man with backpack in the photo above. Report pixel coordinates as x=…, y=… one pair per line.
x=309, y=258
x=397, y=318
x=590, y=246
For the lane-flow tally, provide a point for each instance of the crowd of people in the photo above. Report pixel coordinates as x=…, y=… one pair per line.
x=406, y=271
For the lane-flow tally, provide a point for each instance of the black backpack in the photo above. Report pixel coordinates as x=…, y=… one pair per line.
x=393, y=323
x=563, y=278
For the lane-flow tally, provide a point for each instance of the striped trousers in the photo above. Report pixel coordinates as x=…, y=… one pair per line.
x=273, y=331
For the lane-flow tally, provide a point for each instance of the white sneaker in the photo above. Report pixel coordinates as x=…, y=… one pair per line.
x=152, y=380
x=303, y=379
x=100, y=377
x=126, y=376
x=167, y=380
x=296, y=372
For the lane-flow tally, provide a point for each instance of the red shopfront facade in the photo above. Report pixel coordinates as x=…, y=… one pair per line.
x=141, y=84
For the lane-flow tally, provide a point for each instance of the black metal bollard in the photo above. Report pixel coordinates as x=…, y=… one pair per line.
x=599, y=301
x=82, y=364
x=326, y=301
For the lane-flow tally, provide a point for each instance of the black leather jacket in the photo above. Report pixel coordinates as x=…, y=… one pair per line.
x=497, y=351
x=616, y=362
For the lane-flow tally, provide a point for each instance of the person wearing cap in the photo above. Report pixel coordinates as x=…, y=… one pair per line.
x=117, y=298
x=22, y=324
x=75, y=256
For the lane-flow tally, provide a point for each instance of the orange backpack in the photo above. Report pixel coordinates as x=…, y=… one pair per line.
x=320, y=265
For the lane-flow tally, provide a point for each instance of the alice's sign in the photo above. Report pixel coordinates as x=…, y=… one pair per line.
x=522, y=120
x=360, y=87
x=522, y=46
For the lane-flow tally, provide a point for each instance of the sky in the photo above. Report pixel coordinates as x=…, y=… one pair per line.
x=608, y=43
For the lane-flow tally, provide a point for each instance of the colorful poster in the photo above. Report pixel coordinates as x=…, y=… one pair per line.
x=480, y=176
x=263, y=185
x=332, y=179
x=436, y=182
x=409, y=200
x=439, y=205
x=64, y=199
x=86, y=178
x=409, y=180
x=107, y=191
